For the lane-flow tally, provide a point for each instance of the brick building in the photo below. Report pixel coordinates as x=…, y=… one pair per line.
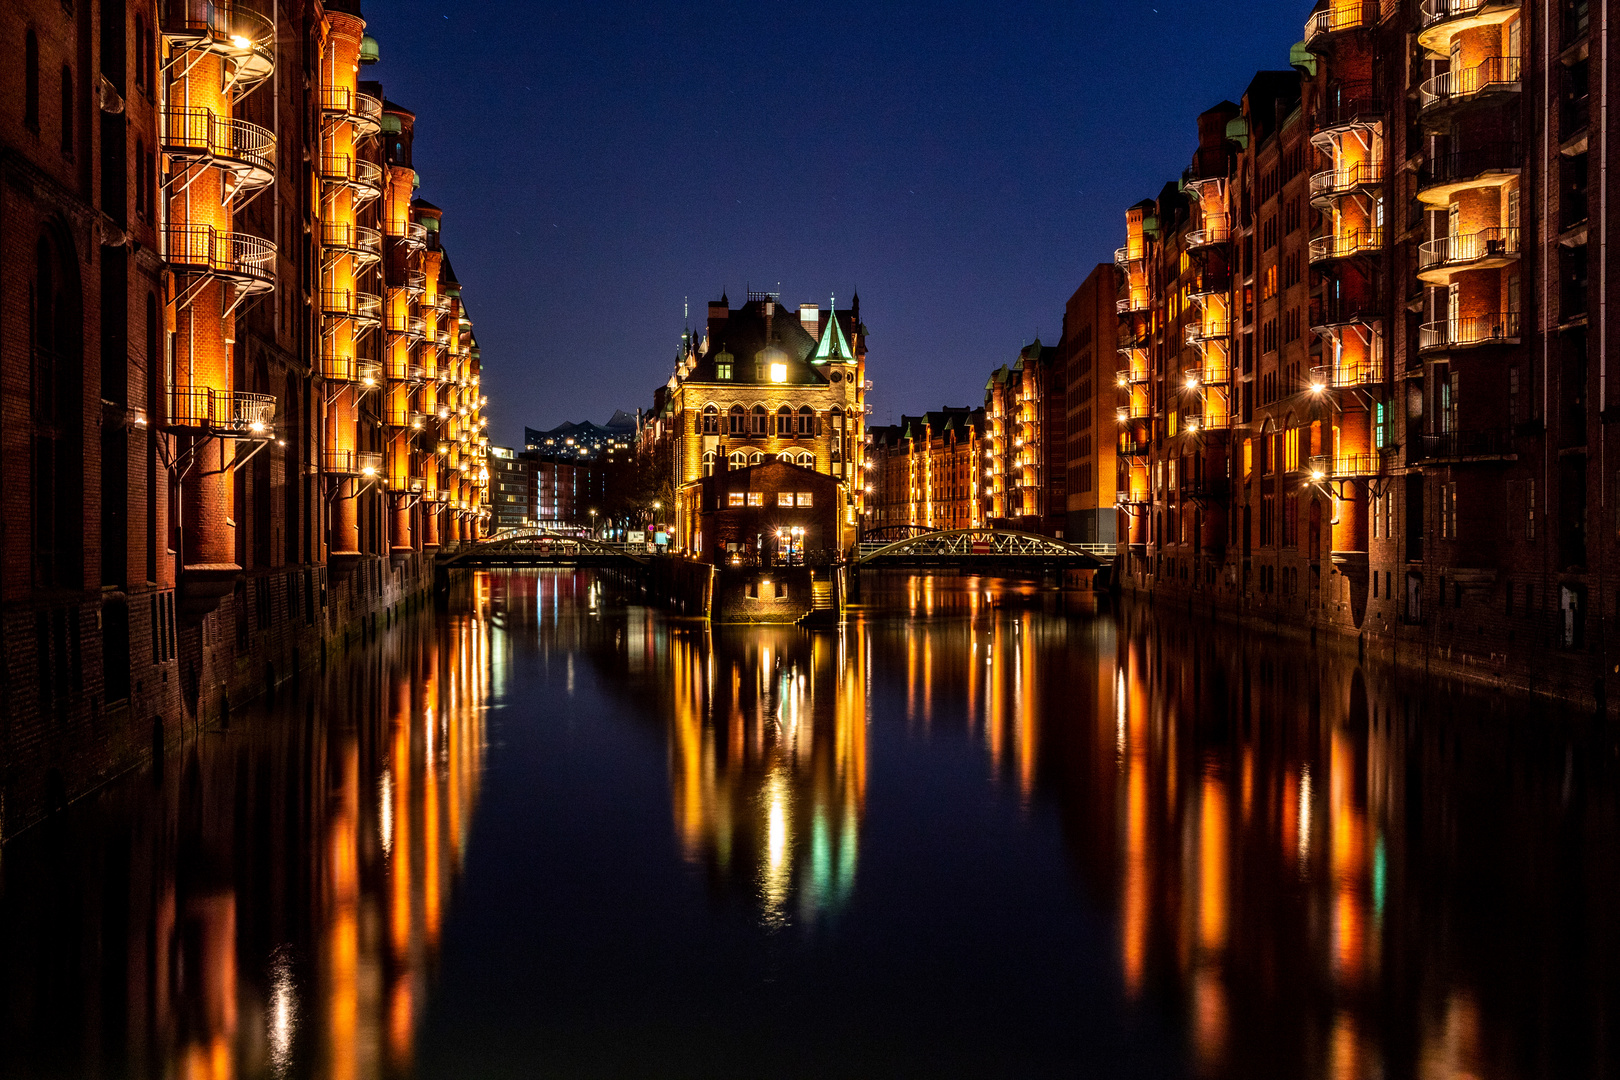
x=1090, y=326
x=762, y=383
x=768, y=514
x=926, y=471
x=1365, y=344
x=221, y=455
x=1026, y=424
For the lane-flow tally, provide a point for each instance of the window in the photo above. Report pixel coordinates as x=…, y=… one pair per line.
x=722, y=369
x=737, y=421
x=1291, y=450
x=756, y=498
x=760, y=419
x=779, y=373
x=738, y=459
x=784, y=422
x=736, y=498
x=807, y=420
x=803, y=498
x=1380, y=430
x=711, y=420
x=31, y=81
x=708, y=463
x=1530, y=510
x=1268, y=283
x=784, y=498
x=1448, y=511
x=67, y=110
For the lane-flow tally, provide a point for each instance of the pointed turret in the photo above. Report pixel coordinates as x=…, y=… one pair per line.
x=833, y=348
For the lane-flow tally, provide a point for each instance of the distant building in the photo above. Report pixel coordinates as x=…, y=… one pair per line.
x=584, y=440
x=566, y=492
x=515, y=494
x=1026, y=422
x=926, y=471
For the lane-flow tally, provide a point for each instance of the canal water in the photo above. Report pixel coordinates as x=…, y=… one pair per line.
x=985, y=831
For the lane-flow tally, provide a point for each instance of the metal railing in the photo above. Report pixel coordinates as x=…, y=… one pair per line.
x=405, y=418
x=1434, y=12
x=1346, y=466
x=1347, y=374
x=1339, y=17
x=246, y=39
x=1356, y=242
x=1349, y=104
x=1472, y=247
x=412, y=234
x=357, y=240
x=1128, y=304
x=1460, y=166
x=1493, y=73
x=204, y=249
x=1495, y=328
x=200, y=133
x=1216, y=230
x=1331, y=182
x=357, y=107
x=1461, y=444
x=405, y=323
x=1207, y=330
x=1123, y=256
x=235, y=415
x=412, y=281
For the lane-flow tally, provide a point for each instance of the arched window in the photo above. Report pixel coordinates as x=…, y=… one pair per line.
x=761, y=419
x=807, y=460
x=711, y=420
x=756, y=458
x=31, y=80
x=837, y=417
x=786, y=457
x=738, y=421
x=807, y=420
x=67, y=110
x=738, y=459
x=784, y=422
x=708, y=463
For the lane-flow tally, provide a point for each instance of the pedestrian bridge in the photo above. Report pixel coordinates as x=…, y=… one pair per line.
x=1002, y=549
x=538, y=547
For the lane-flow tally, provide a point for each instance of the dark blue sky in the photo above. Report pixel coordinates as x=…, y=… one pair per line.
x=963, y=165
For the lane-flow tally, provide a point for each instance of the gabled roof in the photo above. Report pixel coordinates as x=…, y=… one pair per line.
x=833, y=347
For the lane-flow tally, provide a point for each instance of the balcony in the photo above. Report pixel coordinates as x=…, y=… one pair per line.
x=1123, y=257
x=1349, y=245
x=412, y=281
x=411, y=235
x=1338, y=18
x=350, y=369
x=1216, y=230
x=1494, y=75
x=1497, y=328
x=1332, y=184
x=1484, y=250
x=412, y=326
x=351, y=462
x=363, y=177
x=1206, y=330
x=1348, y=374
x=1133, y=303
x=245, y=152
x=1134, y=448
x=1489, y=165
x=1210, y=286
x=1456, y=446
x=406, y=418
x=242, y=38
x=1347, y=107
x=364, y=308
x=1440, y=20
x=222, y=413
x=1134, y=409
x=360, y=110
x=246, y=262
x=1134, y=375
x=340, y=240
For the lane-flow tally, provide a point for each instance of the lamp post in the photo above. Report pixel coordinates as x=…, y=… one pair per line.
x=592, y=513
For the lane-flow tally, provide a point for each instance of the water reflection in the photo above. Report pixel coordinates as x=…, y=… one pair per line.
x=269, y=903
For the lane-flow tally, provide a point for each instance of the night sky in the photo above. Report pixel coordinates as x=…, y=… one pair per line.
x=963, y=165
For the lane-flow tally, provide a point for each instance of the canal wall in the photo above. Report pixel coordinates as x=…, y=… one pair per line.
x=1524, y=653
x=64, y=742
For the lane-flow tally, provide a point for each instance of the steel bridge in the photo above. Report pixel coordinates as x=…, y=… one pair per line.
x=538, y=547
x=999, y=549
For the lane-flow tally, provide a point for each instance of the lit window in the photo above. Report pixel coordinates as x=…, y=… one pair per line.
x=756, y=498
x=778, y=373
x=784, y=498
x=736, y=498
x=804, y=498
x=722, y=371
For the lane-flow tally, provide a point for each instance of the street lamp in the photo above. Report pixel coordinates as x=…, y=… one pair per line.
x=592, y=512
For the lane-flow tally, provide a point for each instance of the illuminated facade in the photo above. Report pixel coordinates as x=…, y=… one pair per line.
x=1364, y=344
x=764, y=383
x=927, y=471
x=1026, y=426
x=222, y=287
